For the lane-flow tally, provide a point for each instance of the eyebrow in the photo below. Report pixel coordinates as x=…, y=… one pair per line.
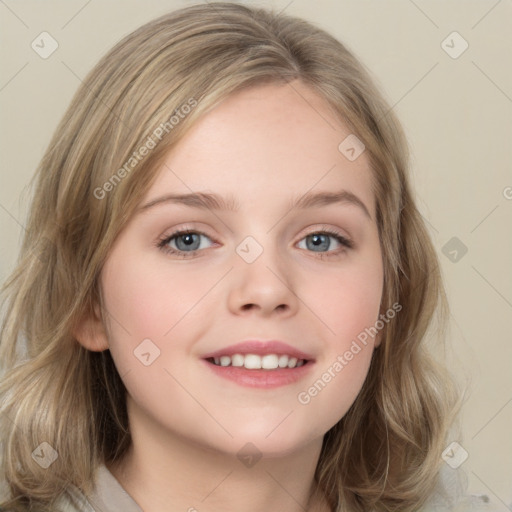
x=209, y=201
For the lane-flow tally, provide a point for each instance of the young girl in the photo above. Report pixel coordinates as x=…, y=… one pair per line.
x=225, y=287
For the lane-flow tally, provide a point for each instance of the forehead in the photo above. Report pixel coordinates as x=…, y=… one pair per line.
x=264, y=143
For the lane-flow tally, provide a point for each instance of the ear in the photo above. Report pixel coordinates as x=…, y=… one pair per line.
x=90, y=331
x=378, y=338
x=380, y=335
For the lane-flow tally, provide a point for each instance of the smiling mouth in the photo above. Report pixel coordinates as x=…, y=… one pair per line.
x=256, y=362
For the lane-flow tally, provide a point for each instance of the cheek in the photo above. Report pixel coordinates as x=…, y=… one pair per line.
x=333, y=390
x=148, y=312
x=348, y=301
x=343, y=368
x=148, y=301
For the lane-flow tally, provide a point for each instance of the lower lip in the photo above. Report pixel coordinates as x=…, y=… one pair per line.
x=261, y=378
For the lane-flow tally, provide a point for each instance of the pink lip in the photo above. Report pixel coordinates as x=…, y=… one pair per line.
x=260, y=378
x=265, y=379
x=260, y=348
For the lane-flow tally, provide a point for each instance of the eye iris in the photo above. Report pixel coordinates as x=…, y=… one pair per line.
x=188, y=240
x=319, y=243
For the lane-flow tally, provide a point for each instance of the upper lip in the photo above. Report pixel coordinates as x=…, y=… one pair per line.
x=260, y=348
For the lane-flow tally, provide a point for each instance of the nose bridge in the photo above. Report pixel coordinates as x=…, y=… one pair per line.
x=262, y=278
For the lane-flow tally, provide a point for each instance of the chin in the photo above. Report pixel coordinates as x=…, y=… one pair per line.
x=275, y=445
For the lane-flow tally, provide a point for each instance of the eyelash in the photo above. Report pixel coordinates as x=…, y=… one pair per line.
x=162, y=243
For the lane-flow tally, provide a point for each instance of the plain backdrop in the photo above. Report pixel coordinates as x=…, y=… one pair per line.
x=456, y=109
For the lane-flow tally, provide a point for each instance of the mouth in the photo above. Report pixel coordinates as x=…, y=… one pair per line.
x=269, y=362
x=258, y=364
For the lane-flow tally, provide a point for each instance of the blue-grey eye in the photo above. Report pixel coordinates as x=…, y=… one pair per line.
x=321, y=241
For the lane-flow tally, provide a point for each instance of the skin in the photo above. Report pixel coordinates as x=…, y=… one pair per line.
x=265, y=145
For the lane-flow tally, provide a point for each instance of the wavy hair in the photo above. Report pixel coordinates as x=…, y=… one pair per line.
x=385, y=453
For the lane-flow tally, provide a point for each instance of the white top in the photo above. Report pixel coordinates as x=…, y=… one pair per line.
x=109, y=495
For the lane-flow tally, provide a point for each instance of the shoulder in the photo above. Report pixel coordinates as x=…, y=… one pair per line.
x=108, y=494
x=451, y=495
x=73, y=500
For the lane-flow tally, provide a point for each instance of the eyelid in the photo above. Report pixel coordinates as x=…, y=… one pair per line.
x=186, y=228
x=326, y=228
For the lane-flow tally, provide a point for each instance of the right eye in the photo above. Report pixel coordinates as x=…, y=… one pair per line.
x=187, y=242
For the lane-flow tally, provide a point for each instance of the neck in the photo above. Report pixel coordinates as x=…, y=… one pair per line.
x=164, y=472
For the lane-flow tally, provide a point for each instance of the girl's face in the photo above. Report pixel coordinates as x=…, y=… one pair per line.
x=263, y=271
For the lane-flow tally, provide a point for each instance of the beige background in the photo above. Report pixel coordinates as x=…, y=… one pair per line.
x=457, y=113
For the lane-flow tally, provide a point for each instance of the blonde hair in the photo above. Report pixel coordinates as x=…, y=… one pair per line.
x=74, y=399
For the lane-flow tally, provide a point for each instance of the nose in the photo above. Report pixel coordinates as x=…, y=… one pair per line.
x=264, y=287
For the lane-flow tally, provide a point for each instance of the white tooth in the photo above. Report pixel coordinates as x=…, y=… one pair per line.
x=300, y=363
x=225, y=360
x=283, y=361
x=292, y=362
x=252, y=361
x=269, y=362
x=237, y=360
x=216, y=360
